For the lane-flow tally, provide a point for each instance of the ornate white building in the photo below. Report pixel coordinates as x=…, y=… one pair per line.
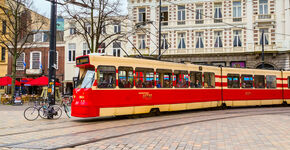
x=216, y=32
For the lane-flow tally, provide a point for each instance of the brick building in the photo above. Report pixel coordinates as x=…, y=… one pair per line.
x=215, y=32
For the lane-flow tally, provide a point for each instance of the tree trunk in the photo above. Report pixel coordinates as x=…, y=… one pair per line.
x=13, y=76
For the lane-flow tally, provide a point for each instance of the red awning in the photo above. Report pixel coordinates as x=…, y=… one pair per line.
x=6, y=81
x=41, y=81
x=25, y=80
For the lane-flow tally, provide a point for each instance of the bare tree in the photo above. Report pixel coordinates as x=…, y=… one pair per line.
x=92, y=18
x=19, y=24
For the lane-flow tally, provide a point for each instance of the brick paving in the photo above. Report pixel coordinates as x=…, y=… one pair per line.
x=243, y=128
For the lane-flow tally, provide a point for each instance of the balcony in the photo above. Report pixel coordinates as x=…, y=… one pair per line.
x=33, y=71
x=265, y=18
x=180, y=22
x=164, y=23
x=218, y=20
x=199, y=21
x=237, y=19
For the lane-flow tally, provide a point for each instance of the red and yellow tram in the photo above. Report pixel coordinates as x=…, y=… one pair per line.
x=110, y=86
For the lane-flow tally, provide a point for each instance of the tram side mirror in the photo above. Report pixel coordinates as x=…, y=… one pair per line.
x=75, y=81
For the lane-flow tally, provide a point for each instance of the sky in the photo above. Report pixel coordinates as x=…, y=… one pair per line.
x=43, y=6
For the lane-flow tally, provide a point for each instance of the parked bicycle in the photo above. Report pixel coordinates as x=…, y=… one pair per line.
x=31, y=113
x=66, y=108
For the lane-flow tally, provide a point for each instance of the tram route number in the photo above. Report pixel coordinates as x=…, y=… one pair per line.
x=145, y=95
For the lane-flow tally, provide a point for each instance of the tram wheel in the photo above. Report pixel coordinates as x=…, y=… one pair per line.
x=155, y=112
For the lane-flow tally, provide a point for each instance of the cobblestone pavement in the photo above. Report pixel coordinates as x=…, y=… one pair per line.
x=239, y=128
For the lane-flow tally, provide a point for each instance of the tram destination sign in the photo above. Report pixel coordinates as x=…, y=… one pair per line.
x=82, y=60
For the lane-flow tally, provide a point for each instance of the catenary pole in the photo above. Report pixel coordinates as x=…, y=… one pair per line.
x=160, y=17
x=52, y=49
x=263, y=64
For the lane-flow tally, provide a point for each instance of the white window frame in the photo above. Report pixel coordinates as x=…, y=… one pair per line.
x=181, y=37
x=116, y=50
x=88, y=28
x=40, y=60
x=199, y=12
x=218, y=10
x=182, y=13
x=72, y=50
x=200, y=39
x=237, y=9
x=239, y=36
x=86, y=50
x=42, y=37
x=141, y=41
x=266, y=36
x=22, y=62
x=117, y=28
x=219, y=37
x=265, y=11
x=141, y=15
x=164, y=41
x=56, y=60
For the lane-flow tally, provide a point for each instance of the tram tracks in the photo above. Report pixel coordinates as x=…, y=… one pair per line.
x=104, y=120
x=225, y=115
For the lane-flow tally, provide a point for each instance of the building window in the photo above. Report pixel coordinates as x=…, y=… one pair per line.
x=101, y=48
x=71, y=52
x=40, y=37
x=199, y=13
x=56, y=60
x=4, y=24
x=86, y=50
x=142, y=14
x=20, y=62
x=237, y=11
x=263, y=7
x=237, y=38
x=218, y=12
x=218, y=39
x=3, y=53
x=117, y=28
x=199, y=40
x=181, y=41
x=181, y=14
x=164, y=16
x=141, y=42
x=35, y=60
x=103, y=29
x=264, y=39
x=72, y=29
x=164, y=40
x=88, y=28
x=117, y=49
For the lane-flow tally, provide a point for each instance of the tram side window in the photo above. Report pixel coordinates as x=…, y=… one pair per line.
x=180, y=79
x=271, y=82
x=163, y=78
x=209, y=80
x=259, y=81
x=144, y=78
x=125, y=77
x=106, y=77
x=195, y=79
x=233, y=81
x=247, y=81
x=289, y=82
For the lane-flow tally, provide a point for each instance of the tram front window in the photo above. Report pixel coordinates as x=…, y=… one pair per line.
x=87, y=79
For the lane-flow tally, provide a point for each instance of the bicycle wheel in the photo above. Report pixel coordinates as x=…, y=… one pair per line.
x=31, y=113
x=56, y=111
x=66, y=110
x=43, y=113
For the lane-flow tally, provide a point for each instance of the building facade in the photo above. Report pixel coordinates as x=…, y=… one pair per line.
x=214, y=32
x=76, y=45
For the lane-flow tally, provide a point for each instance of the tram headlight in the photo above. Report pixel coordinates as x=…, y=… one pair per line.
x=81, y=97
